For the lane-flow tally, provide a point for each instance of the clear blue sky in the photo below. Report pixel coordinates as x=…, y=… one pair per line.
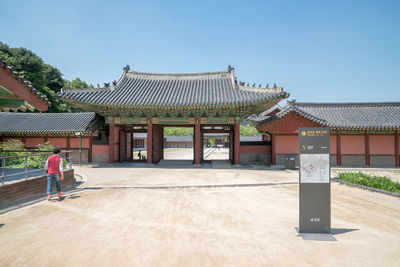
x=319, y=51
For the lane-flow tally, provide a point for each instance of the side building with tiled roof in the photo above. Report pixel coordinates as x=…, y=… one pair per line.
x=64, y=130
x=362, y=134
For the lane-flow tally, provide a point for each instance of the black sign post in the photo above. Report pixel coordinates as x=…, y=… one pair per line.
x=314, y=179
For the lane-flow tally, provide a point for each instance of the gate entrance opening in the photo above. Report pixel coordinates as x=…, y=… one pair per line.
x=178, y=143
x=139, y=146
x=216, y=146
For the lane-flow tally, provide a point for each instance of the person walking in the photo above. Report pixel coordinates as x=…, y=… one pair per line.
x=54, y=168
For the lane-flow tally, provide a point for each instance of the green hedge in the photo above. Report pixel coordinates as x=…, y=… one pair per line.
x=34, y=162
x=378, y=182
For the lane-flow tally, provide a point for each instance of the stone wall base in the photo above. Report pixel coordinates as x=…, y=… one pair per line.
x=255, y=158
x=353, y=160
x=33, y=187
x=280, y=159
x=382, y=161
x=100, y=158
x=75, y=155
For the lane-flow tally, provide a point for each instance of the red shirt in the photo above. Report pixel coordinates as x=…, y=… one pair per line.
x=54, y=165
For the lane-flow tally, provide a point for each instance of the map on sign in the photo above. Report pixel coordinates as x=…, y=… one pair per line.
x=314, y=168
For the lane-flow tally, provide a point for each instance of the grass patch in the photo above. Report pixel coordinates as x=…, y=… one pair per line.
x=378, y=182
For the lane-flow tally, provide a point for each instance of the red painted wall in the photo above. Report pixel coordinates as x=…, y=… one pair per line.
x=58, y=142
x=255, y=149
x=353, y=145
x=288, y=124
x=14, y=138
x=381, y=144
x=286, y=144
x=100, y=149
x=32, y=142
x=74, y=142
x=333, y=144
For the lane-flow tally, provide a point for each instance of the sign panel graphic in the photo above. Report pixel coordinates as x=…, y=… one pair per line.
x=315, y=191
x=314, y=168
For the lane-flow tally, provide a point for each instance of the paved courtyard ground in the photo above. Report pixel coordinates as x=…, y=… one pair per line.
x=124, y=216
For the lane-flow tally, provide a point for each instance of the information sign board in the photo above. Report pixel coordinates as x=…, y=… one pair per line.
x=314, y=180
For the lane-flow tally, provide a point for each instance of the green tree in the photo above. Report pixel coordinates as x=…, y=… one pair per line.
x=249, y=130
x=44, y=77
x=54, y=78
x=77, y=83
x=178, y=131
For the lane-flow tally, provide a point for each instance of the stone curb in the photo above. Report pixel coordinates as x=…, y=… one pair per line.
x=83, y=177
x=367, y=187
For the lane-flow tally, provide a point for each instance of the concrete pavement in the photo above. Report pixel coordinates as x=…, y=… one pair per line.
x=112, y=222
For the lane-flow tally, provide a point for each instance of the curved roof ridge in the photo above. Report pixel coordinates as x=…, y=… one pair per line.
x=181, y=89
x=166, y=76
x=350, y=104
x=306, y=115
x=261, y=89
x=86, y=90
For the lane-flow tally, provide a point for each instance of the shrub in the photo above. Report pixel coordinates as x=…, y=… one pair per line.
x=13, y=145
x=35, y=162
x=378, y=182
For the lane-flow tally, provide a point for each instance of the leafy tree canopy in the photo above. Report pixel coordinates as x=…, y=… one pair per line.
x=187, y=131
x=77, y=83
x=44, y=77
x=248, y=130
x=178, y=131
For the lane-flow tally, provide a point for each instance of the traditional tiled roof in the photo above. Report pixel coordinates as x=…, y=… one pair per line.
x=50, y=123
x=26, y=83
x=352, y=116
x=179, y=90
x=265, y=114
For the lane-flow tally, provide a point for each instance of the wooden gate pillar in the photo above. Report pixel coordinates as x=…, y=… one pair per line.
x=111, y=141
x=149, y=142
x=122, y=145
x=197, y=143
x=396, y=149
x=90, y=152
x=367, y=154
x=273, y=149
x=338, y=149
x=236, y=155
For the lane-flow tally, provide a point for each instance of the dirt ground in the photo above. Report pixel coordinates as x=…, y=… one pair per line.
x=113, y=221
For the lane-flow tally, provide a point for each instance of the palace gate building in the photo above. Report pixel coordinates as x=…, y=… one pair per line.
x=212, y=102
